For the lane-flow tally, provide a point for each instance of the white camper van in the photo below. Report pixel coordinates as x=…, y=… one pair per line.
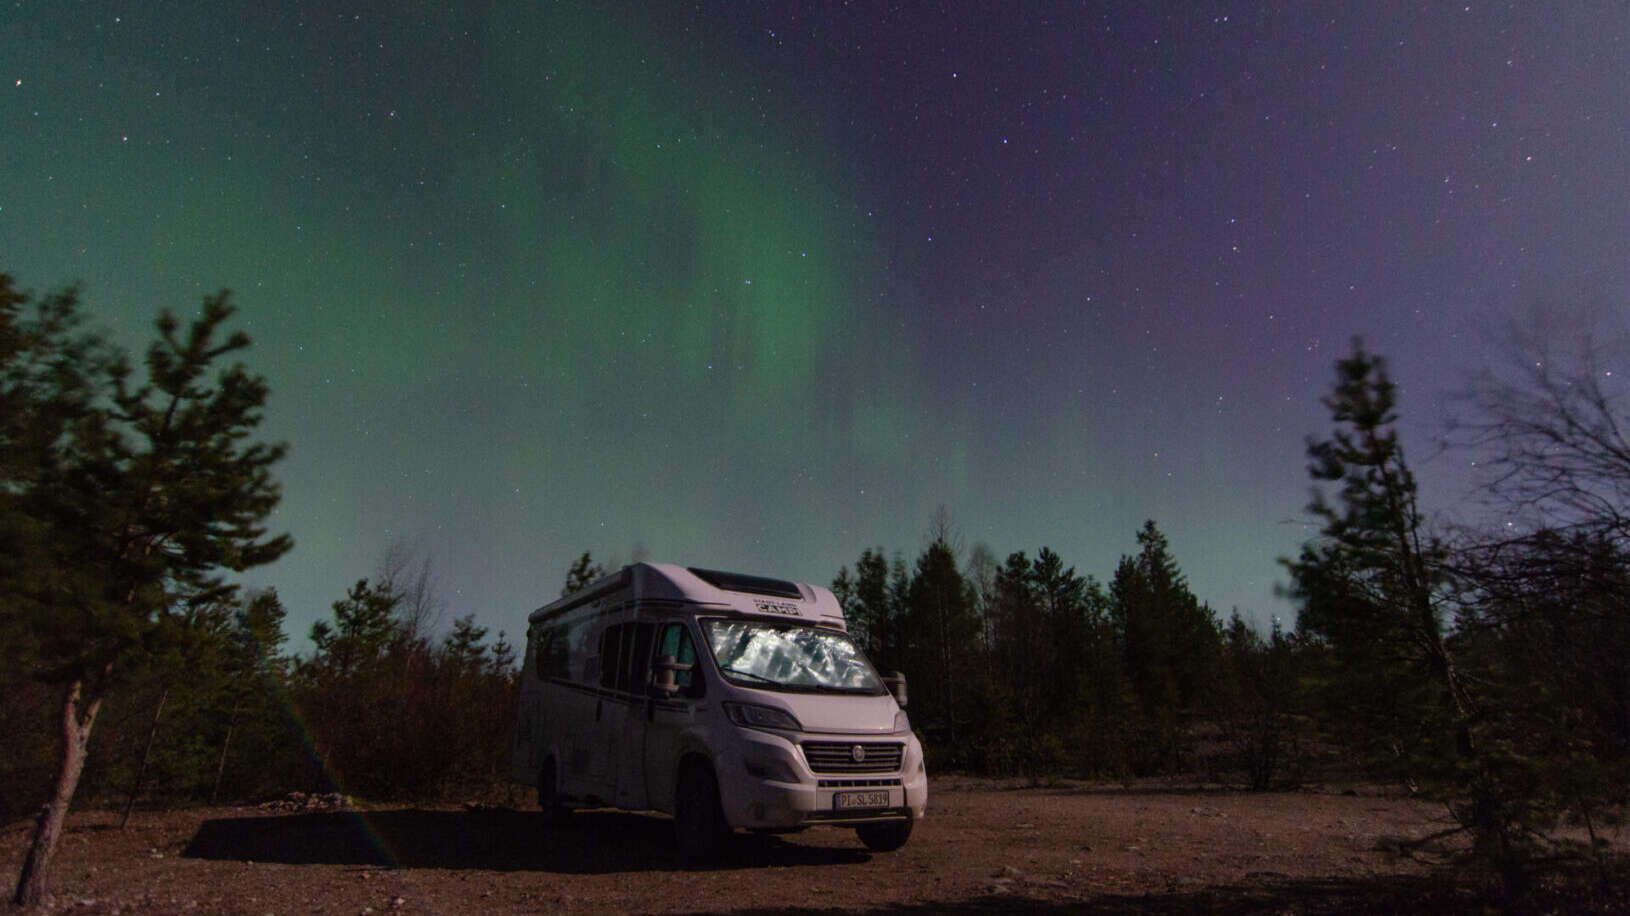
x=728, y=701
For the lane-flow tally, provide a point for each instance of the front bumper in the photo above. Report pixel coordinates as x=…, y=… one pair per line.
x=776, y=790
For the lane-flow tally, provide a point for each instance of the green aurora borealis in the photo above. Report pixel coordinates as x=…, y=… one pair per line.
x=583, y=300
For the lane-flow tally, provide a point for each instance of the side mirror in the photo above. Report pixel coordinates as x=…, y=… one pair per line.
x=665, y=676
x=896, y=683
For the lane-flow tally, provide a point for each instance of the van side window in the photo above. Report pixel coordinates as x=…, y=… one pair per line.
x=676, y=641
x=550, y=652
x=625, y=656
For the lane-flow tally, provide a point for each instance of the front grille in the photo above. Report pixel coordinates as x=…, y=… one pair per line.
x=839, y=756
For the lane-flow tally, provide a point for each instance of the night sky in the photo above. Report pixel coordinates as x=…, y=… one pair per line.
x=758, y=286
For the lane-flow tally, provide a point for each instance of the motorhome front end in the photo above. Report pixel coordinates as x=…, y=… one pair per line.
x=728, y=701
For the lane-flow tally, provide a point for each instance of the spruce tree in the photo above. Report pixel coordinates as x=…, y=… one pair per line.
x=255, y=670
x=1063, y=596
x=1171, y=644
x=1021, y=646
x=944, y=637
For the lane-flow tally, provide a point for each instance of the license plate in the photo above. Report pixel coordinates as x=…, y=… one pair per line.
x=846, y=800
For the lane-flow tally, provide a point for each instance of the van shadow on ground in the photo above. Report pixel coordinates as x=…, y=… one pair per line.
x=595, y=842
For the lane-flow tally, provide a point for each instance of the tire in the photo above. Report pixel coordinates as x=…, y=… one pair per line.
x=554, y=811
x=885, y=837
x=699, y=824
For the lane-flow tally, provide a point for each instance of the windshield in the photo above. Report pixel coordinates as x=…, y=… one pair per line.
x=790, y=657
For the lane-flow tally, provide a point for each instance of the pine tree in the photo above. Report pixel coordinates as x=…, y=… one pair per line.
x=130, y=497
x=581, y=575
x=363, y=628
x=464, y=650
x=1375, y=585
x=1376, y=588
x=43, y=388
x=353, y=694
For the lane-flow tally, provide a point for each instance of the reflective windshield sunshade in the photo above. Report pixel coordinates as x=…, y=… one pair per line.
x=790, y=657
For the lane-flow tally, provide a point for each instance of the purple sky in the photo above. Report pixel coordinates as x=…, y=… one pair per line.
x=758, y=286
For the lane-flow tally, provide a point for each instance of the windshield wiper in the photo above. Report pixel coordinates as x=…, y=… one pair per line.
x=756, y=677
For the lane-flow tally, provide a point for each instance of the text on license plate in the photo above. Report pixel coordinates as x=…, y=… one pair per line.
x=876, y=799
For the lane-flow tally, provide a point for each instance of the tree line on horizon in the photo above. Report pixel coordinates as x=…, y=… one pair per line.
x=1487, y=666
x=1025, y=667
x=380, y=709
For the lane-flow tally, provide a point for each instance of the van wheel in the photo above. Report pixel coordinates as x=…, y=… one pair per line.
x=549, y=795
x=885, y=837
x=699, y=823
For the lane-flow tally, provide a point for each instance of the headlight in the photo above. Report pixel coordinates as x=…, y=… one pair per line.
x=748, y=715
x=902, y=724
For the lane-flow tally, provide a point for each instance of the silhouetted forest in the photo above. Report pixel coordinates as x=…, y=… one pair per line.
x=1486, y=666
x=1018, y=668
x=379, y=709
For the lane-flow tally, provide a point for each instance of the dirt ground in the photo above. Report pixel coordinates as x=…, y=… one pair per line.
x=984, y=848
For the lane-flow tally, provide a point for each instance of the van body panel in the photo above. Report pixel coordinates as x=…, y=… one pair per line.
x=588, y=703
